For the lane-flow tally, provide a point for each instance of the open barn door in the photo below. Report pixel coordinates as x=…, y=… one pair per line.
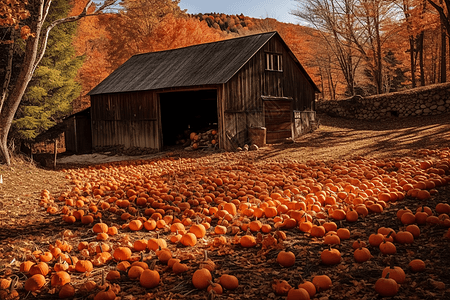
x=278, y=118
x=183, y=112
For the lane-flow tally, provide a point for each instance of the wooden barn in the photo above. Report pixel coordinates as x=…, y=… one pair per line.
x=234, y=85
x=78, y=132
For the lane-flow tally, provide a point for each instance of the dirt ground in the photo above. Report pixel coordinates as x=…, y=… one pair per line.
x=23, y=222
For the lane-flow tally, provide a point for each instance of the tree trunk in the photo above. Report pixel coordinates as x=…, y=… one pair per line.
x=412, y=60
x=13, y=100
x=421, y=64
x=443, y=55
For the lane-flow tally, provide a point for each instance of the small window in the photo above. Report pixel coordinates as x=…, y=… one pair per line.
x=274, y=62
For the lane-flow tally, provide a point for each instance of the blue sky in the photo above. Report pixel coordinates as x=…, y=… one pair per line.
x=276, y=9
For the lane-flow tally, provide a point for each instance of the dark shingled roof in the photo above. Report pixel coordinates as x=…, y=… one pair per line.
x=203, y=64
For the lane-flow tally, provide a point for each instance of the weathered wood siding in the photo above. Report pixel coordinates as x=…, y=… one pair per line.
x=241, y=103
x=78, y=133
x=278, y=119
x=126, y=119
x=304, y=122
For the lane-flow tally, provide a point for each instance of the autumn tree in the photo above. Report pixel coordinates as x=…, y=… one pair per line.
x=130, y=30
x=443, y=9
x=336, y=22
x=35, y=34
x=53, y=87
x=176, y=32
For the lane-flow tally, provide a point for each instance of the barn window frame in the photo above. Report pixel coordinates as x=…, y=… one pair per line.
x=274, y=62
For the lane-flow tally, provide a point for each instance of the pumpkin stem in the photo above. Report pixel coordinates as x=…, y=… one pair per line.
x=100, y=246
x=71, y=260
x=152, y=265
x=206, y=255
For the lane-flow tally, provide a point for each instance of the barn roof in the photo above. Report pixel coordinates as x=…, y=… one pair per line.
x=203, y=64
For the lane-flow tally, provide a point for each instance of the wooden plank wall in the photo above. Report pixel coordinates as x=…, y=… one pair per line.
x=69, y=135
x=241, y=104
x=303, y=121
x=278, y=119
x=127, y=119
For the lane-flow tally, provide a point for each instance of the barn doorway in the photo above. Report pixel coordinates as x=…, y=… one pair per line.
x=277, y=118
x=186, y=112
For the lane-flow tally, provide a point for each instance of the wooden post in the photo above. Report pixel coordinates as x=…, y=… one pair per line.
x=56, y=153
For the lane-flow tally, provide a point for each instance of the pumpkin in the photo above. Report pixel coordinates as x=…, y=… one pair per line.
x=84, y=266
x=60, y=278
x=156, y=243
x=387, y=248
x=201, y=278
x=215, y=288
x=141, y=264
x=247, y=241
x=135, y=225
x=358, y=244
x=362, y=254
x=122, y=253
x=330, y=226
x=375, y=239
x=404, y=237
x=322, y=282
x=140, y=245
x=134, y=272
x=34, y=283
x=414, y=229
x=26, y=265
x=149, y=278
x=298, y=294
x=172, y=261
x=308, y=286
x=332, y=239
x=286, y=258
x=107, y=294
x=179, y=268
x=343, y=233
x=100, y=228
x=229, y=282
x=417, y=265
x=396, y=273
x=164, y=255
x=281, y=287
x=39, y=268
x=330, y=256
x=189, y=239
x=113, y=275
x=317, y=231
x=123, y=265
x=67, y=291
x=199, y=230
x=220, y=229
x=208, y=263
x=386, y=287
x=408, y=218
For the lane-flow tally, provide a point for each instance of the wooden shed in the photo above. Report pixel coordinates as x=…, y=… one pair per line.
x=78, y=133
x=235, y=84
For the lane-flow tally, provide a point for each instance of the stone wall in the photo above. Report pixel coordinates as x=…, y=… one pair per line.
x=429, y=100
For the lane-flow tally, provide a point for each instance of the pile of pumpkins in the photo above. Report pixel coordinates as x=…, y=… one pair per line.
x=188, y=200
